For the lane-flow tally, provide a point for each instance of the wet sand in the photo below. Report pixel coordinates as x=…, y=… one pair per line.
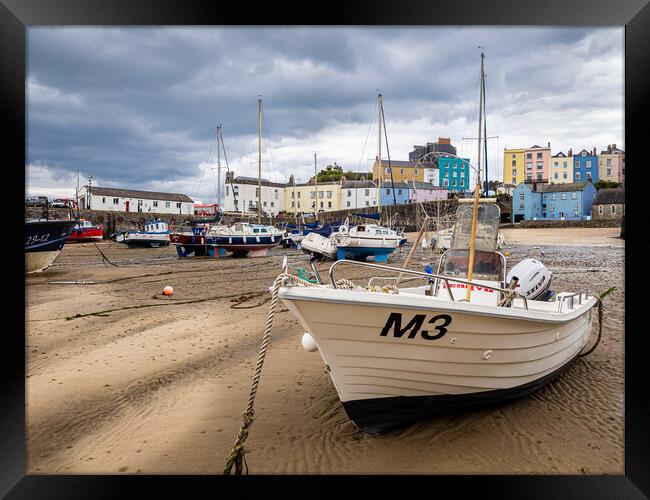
x=121, y=379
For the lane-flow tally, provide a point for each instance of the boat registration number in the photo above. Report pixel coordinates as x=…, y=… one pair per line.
x=31, y=240
x=436, y=331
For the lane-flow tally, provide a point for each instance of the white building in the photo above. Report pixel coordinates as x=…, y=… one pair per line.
x=358, y=194
x=432, y=176
x=244, y=189
x=128, y=200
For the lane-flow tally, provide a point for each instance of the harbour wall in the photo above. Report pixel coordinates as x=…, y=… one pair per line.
x=567, y=223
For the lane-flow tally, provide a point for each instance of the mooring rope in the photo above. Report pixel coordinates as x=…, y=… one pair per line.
x=599, y=299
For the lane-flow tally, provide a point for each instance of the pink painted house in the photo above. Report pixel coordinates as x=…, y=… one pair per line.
x=425, y=191
x=537, y=160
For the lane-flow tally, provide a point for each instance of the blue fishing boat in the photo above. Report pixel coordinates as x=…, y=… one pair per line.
x=44, y=240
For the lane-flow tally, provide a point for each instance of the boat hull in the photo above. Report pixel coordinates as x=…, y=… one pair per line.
x=393, y=360
x=43, y=243
x=362, y=253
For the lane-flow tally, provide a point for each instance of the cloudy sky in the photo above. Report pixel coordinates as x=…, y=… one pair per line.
x=138, y=107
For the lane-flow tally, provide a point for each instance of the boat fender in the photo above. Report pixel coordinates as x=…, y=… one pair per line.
x=308, y=342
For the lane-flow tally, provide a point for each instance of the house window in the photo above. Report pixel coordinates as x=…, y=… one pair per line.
x=577, y=176
x=539, y=176
x=399, y=192
x=462, y=183
x=564, y=175
x=320, y=194
x=155, y=203
x=387, y=170
x=178, y=204
x=529, y=166
x=276, y=194
x=563, y=196
x=416, y=172
x=388, y=191
x=539, y=155
x=540, y=164
x=293, y=204
x=312, y=195
x=264, y=204
x=565, y=164
x=529, y=177
x=514, y=163
x=514, y=172
x=272, y=203
x=588, y=163
x=609, y=172
x=401, y=171
x=583, y=154
x=556, y=163
x=609, y=161
x=348, y=203
x=103, y=199
x=367, y=203
x=577, y=164
x=552, y=208
x=555, y=175
x=529, y=156
x=521, y=206
x=167, y=204
x=298, y=204
x=329, y=194
x=298, y=197
x=553, y=196
x=576, y=208
x=613, y=209
x=116, y=201
x=588, y=176
x=257, y=192
x=514, y=156
x=367, y=192
x=349, y=193
x=574, y=196
x=600, y=209
x=329, y=204
x=321, y=204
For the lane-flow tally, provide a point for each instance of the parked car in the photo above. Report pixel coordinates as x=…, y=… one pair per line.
x=36, y=201
x=59, y=203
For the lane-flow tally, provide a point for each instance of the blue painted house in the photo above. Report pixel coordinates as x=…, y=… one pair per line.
x=454, y=173
x=552, y=201
x=585, y=166
x=402, y=194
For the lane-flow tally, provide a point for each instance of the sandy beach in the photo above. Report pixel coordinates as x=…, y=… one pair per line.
x=121, y=379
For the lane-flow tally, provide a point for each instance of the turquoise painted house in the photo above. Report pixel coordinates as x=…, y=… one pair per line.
x=531, y=201
x=454, y=173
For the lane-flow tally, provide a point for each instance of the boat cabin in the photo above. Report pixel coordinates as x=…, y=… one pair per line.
x=156, y=226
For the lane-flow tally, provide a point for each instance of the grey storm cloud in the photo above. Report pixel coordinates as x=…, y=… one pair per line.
x=135, y=106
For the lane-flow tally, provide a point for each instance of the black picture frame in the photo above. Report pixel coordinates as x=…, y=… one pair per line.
x=17, y=15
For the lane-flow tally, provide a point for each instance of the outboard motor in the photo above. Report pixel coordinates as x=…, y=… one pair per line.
x=534, y=280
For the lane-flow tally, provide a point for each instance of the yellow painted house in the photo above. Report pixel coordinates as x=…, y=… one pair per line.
x=514, y=166
x=561, y=169
x=403, y=171
x=301, y=198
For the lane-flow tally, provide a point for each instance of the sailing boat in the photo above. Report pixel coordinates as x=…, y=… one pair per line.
x=358, y=241
x=464, y=338
x=242, y=238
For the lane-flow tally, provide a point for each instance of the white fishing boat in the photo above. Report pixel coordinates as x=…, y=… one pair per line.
x=320, y=246
x=155, y=234
x=365, y=240
x=470, y=335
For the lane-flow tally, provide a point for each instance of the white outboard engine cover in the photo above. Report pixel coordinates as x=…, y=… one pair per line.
x=534, y=278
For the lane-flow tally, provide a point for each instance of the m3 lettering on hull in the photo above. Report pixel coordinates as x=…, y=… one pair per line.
x=439, y=324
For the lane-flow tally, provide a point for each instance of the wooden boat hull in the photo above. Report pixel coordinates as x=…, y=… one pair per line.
x=397, y=358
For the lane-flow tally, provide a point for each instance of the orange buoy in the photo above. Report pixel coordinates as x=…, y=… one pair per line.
x=168, y=290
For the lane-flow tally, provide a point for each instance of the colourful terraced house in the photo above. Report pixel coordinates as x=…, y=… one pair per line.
x=585, y=166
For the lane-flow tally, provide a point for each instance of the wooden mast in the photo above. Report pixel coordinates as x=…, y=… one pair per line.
x=315, y=188
x=259, y=161
x=379, y=154
x=219, y=167
x=477, y=190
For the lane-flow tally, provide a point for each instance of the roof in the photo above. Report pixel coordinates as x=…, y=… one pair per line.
x=558, y=188
x=559, y=155
x=131, y=193
x=253, y=180
x=609, y=195
x=426, y=185
x=401, y=163
x=358, y=184
x=398, y=185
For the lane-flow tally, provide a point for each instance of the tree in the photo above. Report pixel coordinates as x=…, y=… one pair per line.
x=605, y=184
x=330, y=173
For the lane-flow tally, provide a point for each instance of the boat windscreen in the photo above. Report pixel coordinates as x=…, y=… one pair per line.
x=487, y=227
x=487, y=265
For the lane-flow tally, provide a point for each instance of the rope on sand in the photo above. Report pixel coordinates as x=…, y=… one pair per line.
x=238, y=454
x=599, y=299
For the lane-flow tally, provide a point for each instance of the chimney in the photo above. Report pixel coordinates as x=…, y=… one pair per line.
x=549, y=144
x=444, y=140
x=613, y=146
x=570, y=152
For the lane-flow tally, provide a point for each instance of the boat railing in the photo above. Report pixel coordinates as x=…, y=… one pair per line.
x=445, y=279
x=571, y=299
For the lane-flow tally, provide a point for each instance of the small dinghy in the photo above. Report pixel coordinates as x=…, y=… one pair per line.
x=155, y=234
x=460, y=340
